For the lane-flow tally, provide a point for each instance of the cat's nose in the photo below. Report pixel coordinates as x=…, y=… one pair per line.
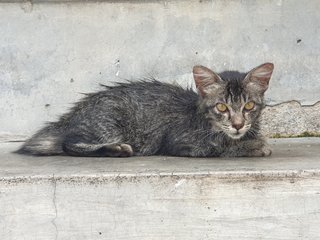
x=238, y=125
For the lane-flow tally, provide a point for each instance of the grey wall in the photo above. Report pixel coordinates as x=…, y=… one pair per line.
x=49, y=53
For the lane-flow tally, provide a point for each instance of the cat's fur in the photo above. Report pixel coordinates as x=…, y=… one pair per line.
x=154, y=118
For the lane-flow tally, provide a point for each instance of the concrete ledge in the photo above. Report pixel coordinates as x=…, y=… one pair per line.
x=297, y=154
x=162, y=197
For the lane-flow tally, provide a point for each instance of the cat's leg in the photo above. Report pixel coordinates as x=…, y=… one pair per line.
x=255, y=148
x=248, y=148
x=190, y=150
x=76, y=145
x=189, y=144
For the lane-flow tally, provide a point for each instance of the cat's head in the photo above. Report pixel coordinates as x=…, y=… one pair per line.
x=233, y=101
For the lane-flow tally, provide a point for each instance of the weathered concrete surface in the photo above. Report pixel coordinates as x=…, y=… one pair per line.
x=291, y=118
x=163, y=197
x=51, y=52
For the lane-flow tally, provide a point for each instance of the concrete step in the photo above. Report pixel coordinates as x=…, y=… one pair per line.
x=159, y=197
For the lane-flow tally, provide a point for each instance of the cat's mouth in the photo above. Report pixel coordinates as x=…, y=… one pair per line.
x=236, y=135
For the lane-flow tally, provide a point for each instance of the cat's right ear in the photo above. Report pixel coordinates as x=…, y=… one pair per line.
x=206, y=80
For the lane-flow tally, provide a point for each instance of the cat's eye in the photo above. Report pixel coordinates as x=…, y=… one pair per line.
x=221, y=107
x=249, y=106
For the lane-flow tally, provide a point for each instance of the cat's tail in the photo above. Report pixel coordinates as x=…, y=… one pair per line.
x=48, y=141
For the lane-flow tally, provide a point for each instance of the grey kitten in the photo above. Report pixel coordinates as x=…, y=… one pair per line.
x=153, y=118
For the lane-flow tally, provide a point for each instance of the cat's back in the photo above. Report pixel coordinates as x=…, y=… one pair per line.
x=150, y=89
x=142, y=100
x=150, y=93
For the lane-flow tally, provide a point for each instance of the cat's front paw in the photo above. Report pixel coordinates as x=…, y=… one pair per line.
x=117, y=150
x=263, y=152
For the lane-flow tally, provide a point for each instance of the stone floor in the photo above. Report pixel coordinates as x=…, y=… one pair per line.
x=294, y=154
x=163, y=197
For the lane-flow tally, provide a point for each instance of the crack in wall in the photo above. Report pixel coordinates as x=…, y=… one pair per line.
x=293, y=101
x=53, y=221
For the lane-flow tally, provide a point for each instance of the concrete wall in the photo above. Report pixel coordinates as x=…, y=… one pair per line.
x=51, y=52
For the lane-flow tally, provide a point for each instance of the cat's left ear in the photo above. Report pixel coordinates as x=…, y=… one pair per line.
x=257, y=80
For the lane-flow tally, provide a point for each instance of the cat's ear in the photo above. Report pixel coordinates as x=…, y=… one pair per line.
x=206, y=80
x=257, y=80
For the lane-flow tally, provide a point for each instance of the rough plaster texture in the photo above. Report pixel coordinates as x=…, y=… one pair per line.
x=291, y=118
x=162, y=197
x=49, y=53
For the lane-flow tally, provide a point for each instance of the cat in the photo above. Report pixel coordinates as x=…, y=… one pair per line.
x=149, y=117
